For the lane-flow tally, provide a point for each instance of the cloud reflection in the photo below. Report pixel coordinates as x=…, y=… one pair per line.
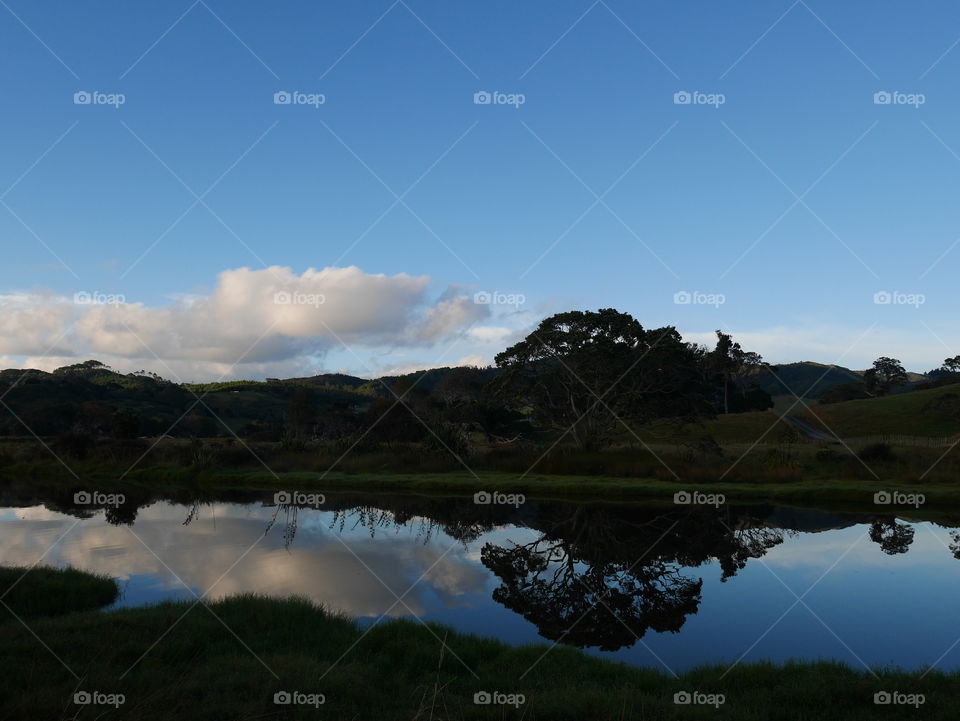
x=319, y=566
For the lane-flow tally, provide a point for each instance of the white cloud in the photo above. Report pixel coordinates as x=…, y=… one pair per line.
x=268, y=321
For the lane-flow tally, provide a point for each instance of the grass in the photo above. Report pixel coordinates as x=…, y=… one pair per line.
x=400, y=669
x=731, y=428
x=37, y=592
x=900, y=414
x=799, y=475
x=906, y=414
x=755, y=457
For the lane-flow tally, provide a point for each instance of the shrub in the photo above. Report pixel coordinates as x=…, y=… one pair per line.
x=877, y=452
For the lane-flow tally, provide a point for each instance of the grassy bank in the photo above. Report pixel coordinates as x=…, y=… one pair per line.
x=36, y=592
x=785, y=471
x=800, y=492
x=191, y=482
x=229, y=661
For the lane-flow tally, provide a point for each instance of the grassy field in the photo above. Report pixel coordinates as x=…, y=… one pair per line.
x=231, y=659
x=926, y=413
x=725, y=429
x=912, y=414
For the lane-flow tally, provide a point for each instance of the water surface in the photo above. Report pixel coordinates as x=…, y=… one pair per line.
x=650, y=585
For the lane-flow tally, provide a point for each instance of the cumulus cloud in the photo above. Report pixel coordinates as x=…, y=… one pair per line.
x=270, y=320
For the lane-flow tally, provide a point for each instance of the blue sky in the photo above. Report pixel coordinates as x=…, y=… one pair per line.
x=794, y=202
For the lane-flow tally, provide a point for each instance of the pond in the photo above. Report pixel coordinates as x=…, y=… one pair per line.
x=653, y=585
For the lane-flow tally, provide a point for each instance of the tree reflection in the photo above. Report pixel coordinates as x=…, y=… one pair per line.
x=892, y=537
x=599, y=578
x=605, y=604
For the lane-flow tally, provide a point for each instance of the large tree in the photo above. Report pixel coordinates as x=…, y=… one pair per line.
x=581, y=370
x=951, y=365
x=885, y=375
x=732, y=365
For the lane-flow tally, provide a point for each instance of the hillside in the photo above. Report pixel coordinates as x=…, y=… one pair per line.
x=91, y=395
x=934, y=412
x=805, y=379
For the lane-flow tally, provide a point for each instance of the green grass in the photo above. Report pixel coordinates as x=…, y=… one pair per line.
x=900, y=414
x=742, y=427
x=199, y=669
x=906, y=414
x=41, y=591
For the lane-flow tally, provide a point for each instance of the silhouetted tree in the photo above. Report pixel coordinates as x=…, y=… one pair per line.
x=885, y=375
x=579, y=368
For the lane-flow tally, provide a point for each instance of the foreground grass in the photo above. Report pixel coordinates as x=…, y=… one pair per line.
x=35, y=592
x=400, y=669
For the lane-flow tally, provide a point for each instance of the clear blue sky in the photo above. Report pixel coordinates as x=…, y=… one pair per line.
x=709, y=206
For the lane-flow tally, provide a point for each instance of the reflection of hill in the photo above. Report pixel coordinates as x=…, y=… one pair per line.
x=809, y=521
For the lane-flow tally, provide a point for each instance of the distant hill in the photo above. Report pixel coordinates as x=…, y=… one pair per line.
x=97, y=400
x=90, y=394
x=805, y=379
x=333, y=379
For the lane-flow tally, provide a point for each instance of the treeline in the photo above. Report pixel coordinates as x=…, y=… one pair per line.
x=580, y=377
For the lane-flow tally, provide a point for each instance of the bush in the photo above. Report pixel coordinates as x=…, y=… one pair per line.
x=828, y=455
x=877, y=452
x=74, y=444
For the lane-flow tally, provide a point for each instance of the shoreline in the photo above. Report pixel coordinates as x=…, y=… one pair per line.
x=599, y=489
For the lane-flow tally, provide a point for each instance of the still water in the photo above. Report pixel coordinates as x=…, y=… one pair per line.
x=659, y=586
